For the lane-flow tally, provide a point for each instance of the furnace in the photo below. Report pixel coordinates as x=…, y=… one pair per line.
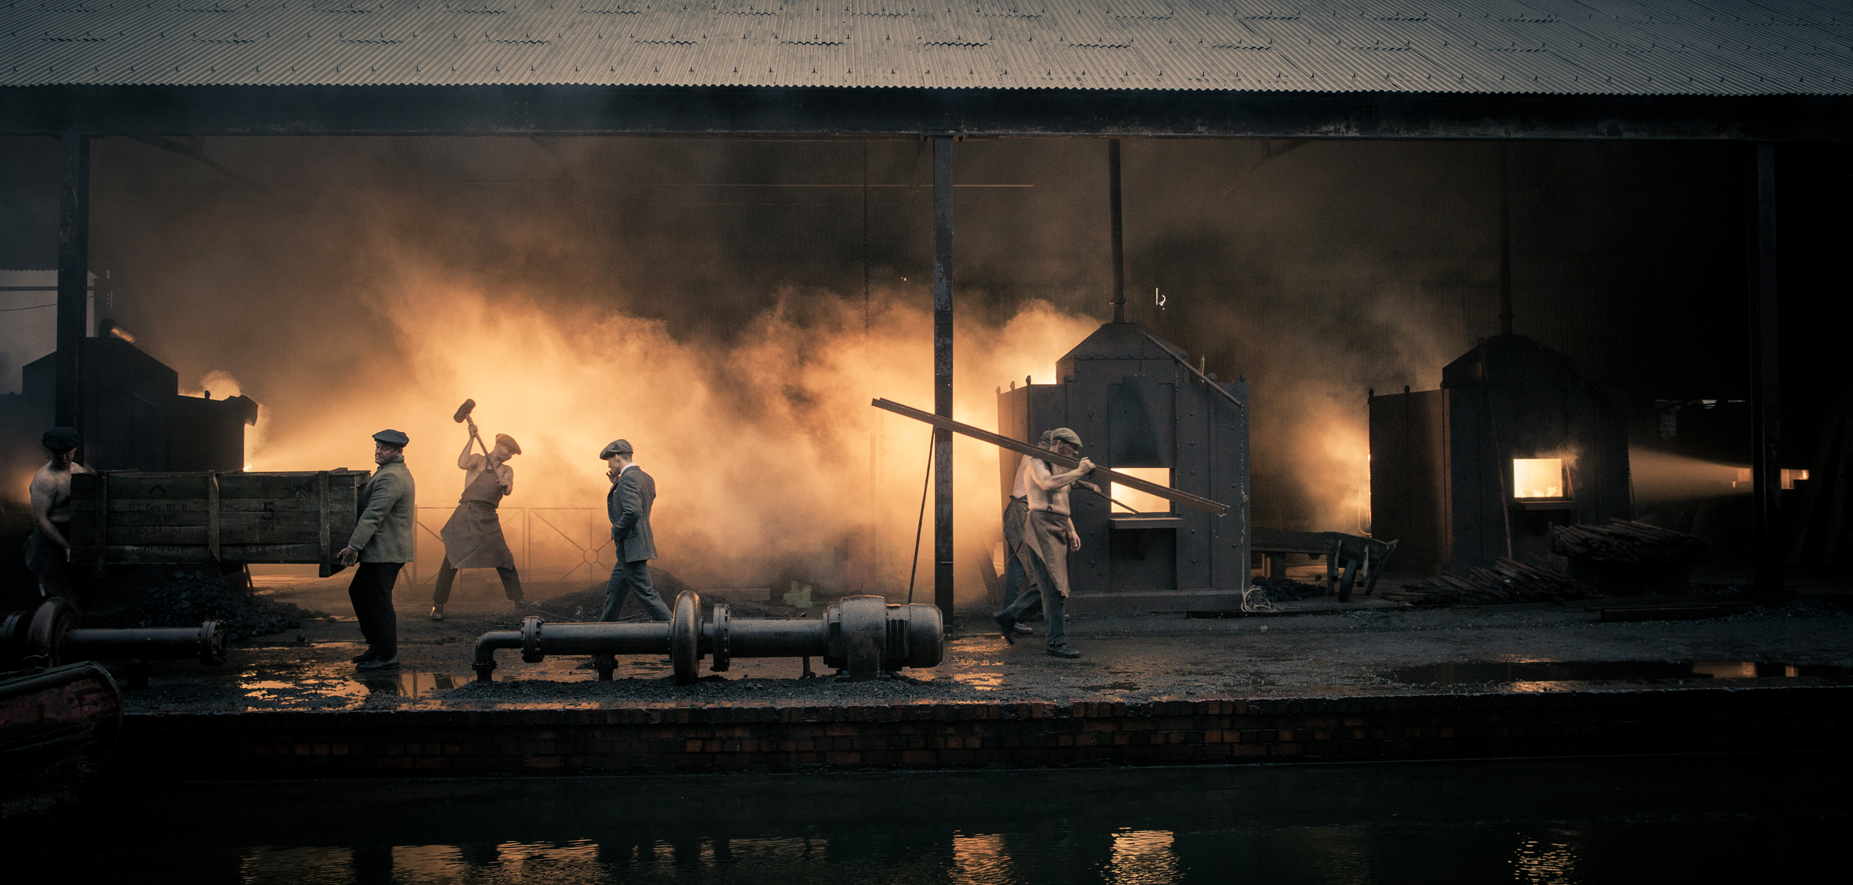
x=1515, y=441
x=1141, y=408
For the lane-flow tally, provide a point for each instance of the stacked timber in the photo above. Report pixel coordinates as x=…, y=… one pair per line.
x=120, y=517
x=1624, y=540
x=1507, y=581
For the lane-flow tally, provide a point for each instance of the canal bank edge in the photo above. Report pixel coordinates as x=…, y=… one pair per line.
x=658, y=739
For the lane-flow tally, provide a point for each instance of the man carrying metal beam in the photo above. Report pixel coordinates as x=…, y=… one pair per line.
x=1048, y=537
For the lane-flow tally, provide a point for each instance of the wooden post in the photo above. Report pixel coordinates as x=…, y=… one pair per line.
x=73, y=279
x=322, y=539
x=1766, y=414
x=942, y=378
x=212, y=514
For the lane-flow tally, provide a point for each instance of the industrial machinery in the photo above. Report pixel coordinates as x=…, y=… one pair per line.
x=862, y=636
x=1142, y=408
x=1514, y=442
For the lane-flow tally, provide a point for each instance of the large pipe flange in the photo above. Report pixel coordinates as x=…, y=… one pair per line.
x=720, y=638
x=863, y=634
x=211, y=643
x=530, y=640
x=51, y=623
x=916, y=636
x=685, y=637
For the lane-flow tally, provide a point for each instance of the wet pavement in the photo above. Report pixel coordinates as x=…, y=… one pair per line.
x=1312, y=648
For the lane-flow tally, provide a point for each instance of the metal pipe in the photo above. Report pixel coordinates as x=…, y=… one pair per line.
x=206, y=642
x=861, y=635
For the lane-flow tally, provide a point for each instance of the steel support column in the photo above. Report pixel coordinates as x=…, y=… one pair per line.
x=1765, y=408
x=73, y=276
x=1118, y=230
x=942, y=376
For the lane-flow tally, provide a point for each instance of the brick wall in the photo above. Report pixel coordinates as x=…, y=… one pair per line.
x=667, y=738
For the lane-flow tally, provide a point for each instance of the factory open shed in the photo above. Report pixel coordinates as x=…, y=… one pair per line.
x=1763, y=71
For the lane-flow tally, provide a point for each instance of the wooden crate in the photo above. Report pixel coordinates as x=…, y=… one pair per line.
x=135, y=517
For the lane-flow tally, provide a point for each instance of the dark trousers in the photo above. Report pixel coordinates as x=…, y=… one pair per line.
x=634, y=578
x=1014, y=513
x=371, y=593
x=447, y=575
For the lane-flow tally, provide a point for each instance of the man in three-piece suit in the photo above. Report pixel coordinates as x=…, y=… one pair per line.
x=628, y=504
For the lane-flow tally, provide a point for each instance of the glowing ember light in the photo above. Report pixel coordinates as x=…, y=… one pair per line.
x=1537, y=477
x=1789, y=478
x=1135, y=499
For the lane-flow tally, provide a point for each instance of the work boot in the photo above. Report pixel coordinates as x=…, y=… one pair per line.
x=1064, y=651
x=1008, y=624
x=1023, y=628
x=366, y=656
x=437, y=612
x=379, y=663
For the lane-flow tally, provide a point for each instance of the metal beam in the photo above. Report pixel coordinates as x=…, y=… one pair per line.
x=73, y=277
x=749, y=111
x=1765, y=403
x=1003, y=442
x=942, y=376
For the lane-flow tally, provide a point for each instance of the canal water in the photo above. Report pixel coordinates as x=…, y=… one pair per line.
x=1622, y=820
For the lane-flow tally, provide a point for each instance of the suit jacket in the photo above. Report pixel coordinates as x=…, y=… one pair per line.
x=385, y=530
x=628, y=504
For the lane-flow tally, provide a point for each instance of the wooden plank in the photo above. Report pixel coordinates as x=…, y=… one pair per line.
x=305, y=553
x=304, y=485
x=136, y=520
x=1188, y=500
x=212, y=514
x=324, y=552
x=147, y=485
x=158, y=553
x=123, y=536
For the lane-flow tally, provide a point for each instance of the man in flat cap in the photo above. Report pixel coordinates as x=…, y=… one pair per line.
x=48, y=549
x=382, y=545
x=473, y=536
x=1048, y=537
x=628, y=504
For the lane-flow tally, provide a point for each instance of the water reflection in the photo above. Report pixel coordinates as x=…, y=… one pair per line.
x=341, y=685
x=1531, y=676
x=1614, y=820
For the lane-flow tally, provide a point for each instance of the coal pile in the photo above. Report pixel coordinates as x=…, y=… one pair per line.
x=195, y=596
x=1507, y=581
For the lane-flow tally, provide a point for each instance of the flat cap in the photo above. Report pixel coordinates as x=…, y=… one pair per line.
x=392, y=438
x=615, y=448
x=1063, y=434
x=59, y=439
x=504, y=441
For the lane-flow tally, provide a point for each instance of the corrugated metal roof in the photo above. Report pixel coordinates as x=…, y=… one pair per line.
x=1563, y=47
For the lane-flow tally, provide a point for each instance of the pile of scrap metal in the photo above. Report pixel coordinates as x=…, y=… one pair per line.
x=1506, y=581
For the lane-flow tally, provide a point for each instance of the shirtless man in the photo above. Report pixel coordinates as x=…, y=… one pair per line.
x=1048, y=537
x=48, y=550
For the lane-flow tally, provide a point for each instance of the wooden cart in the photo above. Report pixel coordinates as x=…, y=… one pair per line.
x=126, y=517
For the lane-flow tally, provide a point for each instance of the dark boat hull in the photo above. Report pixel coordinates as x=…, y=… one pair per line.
x=56, y=728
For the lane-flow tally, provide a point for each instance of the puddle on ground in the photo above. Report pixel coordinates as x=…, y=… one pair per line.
x=279, y=687
x=1529, y=674
x=981, y=681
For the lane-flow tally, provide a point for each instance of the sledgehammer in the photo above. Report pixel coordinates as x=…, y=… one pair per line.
x=463, y=414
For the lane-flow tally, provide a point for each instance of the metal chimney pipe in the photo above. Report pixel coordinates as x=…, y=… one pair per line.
x=1119, y=246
